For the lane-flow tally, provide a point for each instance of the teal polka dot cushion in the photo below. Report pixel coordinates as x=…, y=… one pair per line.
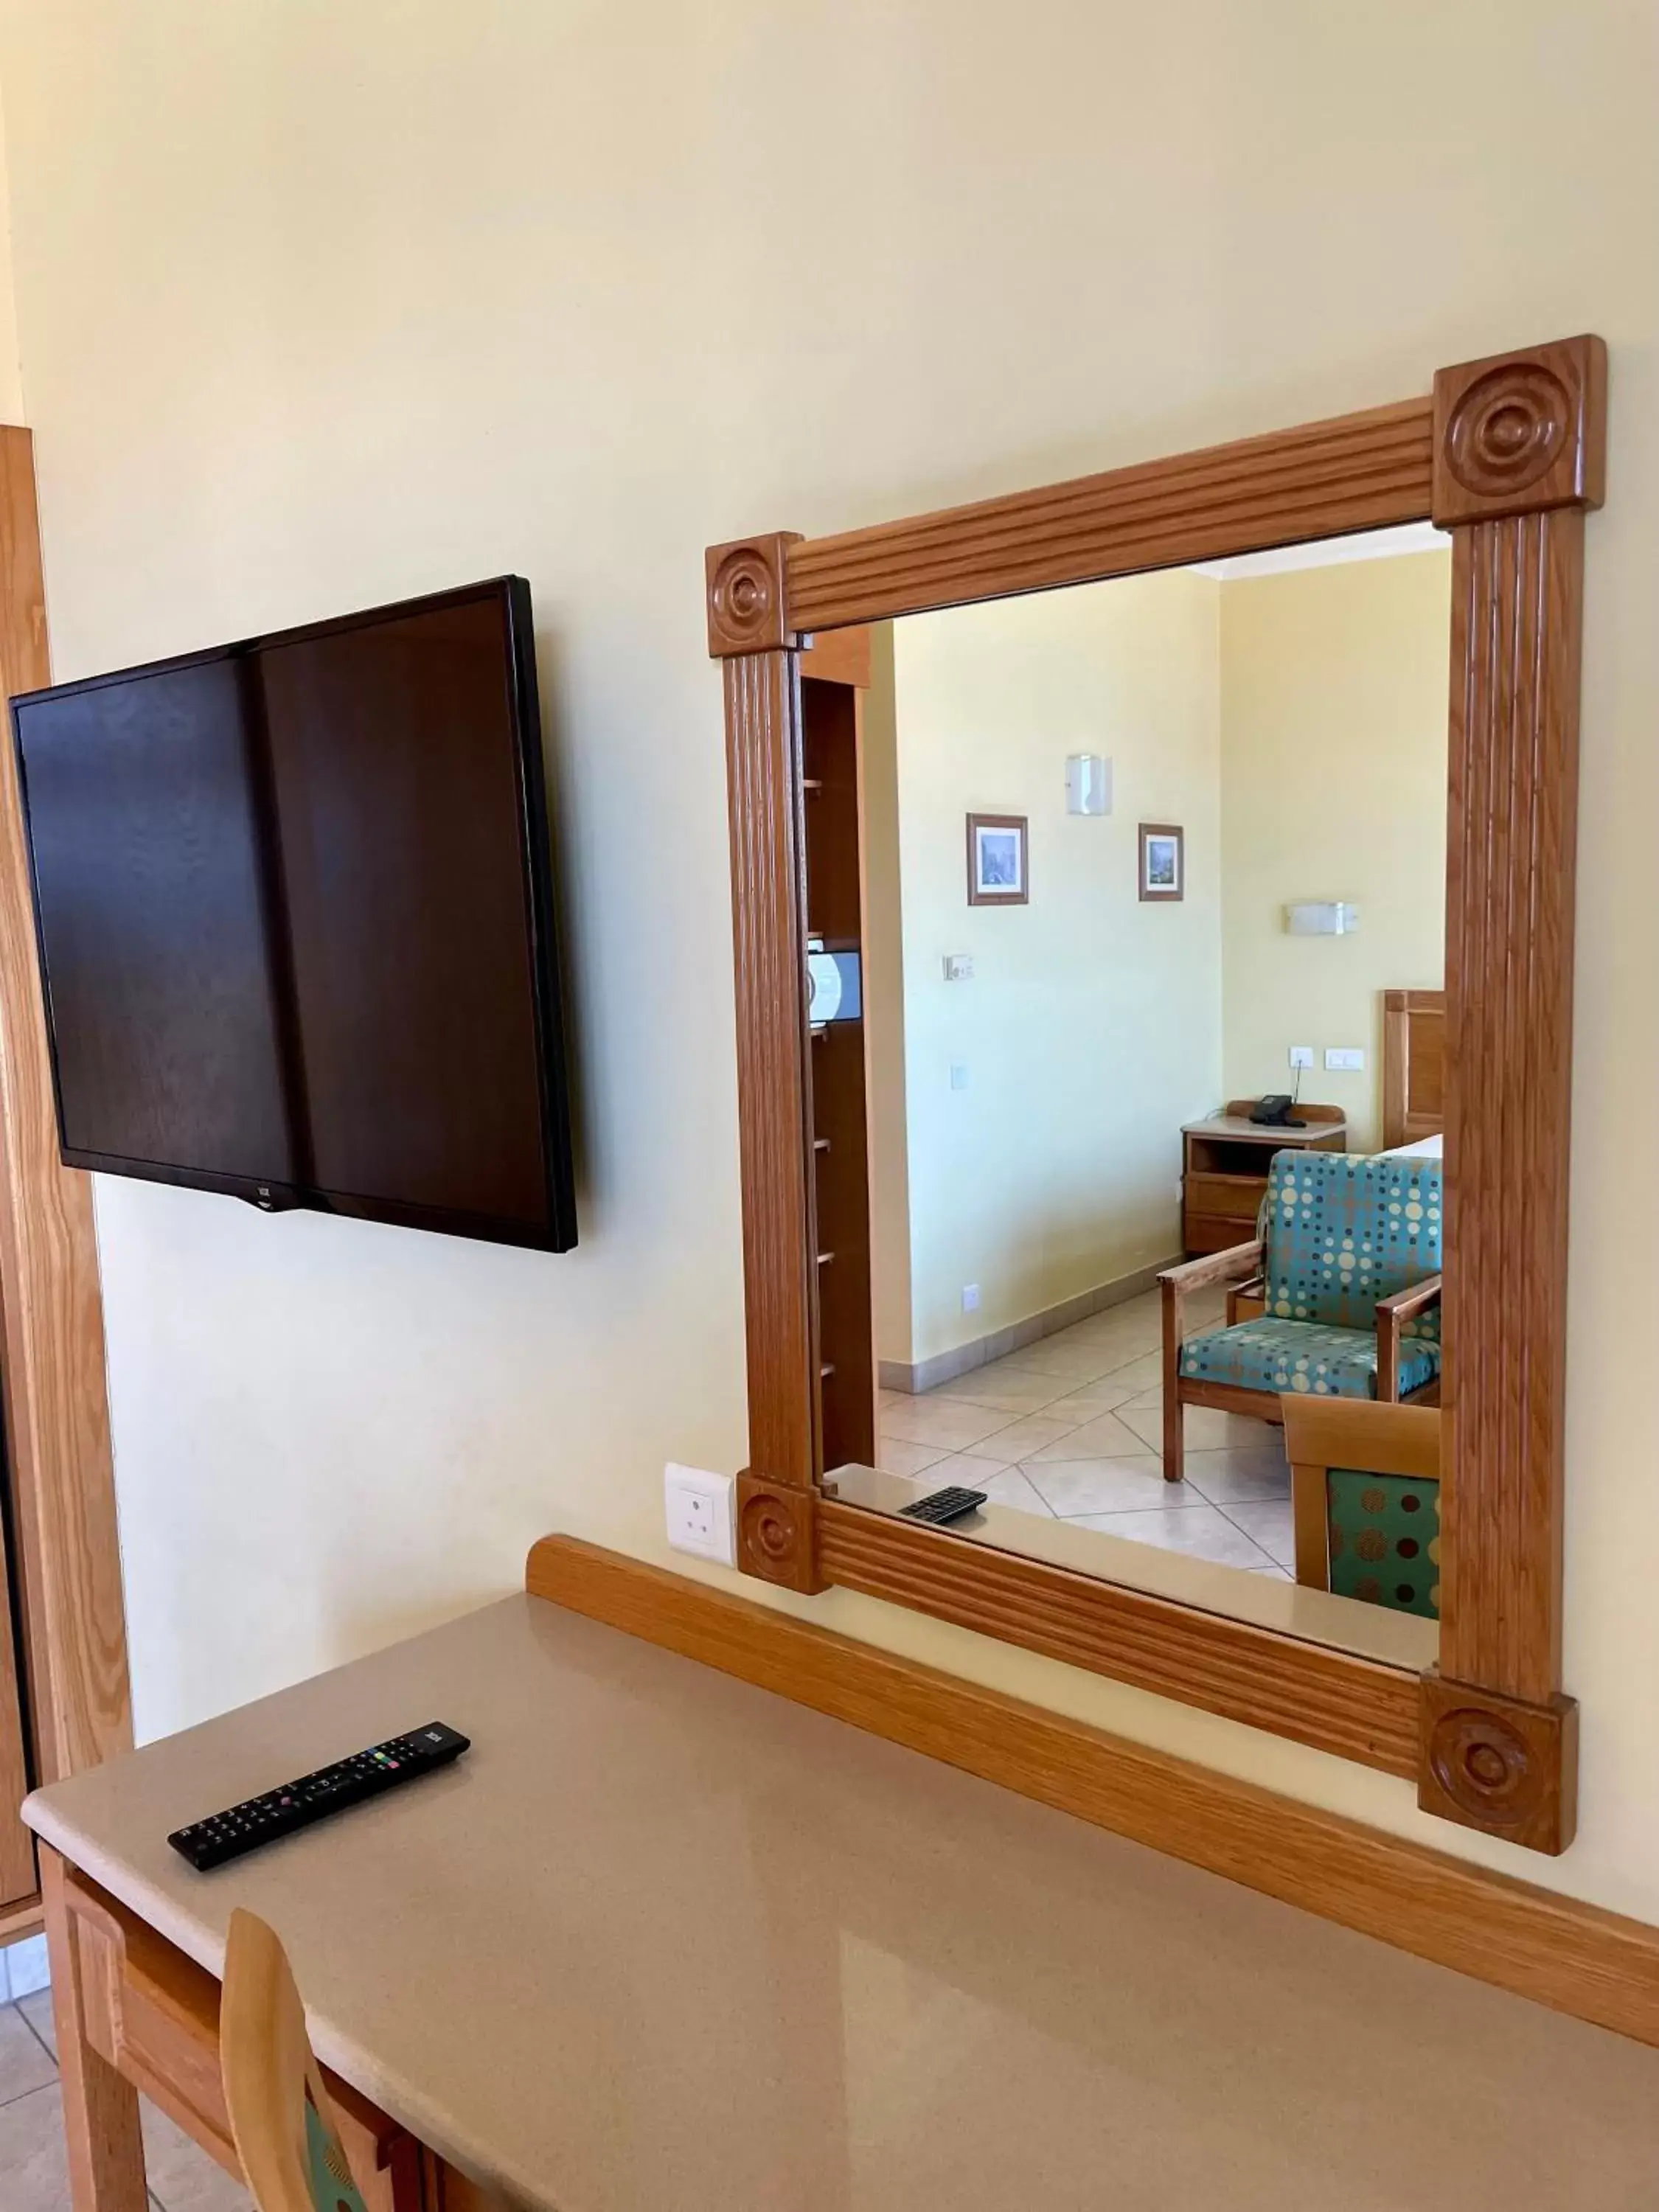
x=332, y=2189
x=1301, y=1355
x=1344, y=1229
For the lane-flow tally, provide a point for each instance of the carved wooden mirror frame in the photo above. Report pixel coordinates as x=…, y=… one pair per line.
x=1507, y=455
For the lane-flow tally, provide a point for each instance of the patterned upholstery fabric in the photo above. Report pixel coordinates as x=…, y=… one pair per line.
x=332, y=2189
x=1345, y=1230
x=1299, y=1355
x=1384, y=1540
x=1342, y=1229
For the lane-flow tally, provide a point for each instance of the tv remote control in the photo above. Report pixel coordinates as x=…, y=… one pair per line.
x=279, y=1812
x=941, y=1506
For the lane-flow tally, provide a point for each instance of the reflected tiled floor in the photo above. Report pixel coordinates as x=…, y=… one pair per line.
x=1073, y=1426
x=33, y=2166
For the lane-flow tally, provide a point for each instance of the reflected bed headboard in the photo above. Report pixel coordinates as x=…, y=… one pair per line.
x=1414, y=1066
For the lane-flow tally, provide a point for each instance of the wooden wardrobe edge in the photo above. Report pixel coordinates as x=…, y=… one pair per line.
x=68, y=1561
x=1574, y=1957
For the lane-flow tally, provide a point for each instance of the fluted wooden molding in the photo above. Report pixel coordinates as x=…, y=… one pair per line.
x=1356, y=472
x=768, y=925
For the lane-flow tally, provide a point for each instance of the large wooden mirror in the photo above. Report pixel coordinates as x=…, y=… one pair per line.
x=1154, y=1025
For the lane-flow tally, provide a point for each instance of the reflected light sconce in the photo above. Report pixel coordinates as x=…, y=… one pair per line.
x=1088, y=784
x=1322, y=918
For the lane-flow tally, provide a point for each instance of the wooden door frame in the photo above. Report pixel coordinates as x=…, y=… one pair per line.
x=1507, y=454
x=52, y=1313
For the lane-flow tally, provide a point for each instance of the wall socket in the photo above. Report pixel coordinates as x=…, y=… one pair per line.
x=1300, y=1056
x=1349, y=1058
x=970, y=1297
x=701, y=1510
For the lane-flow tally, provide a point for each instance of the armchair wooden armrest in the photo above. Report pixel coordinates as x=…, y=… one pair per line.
x=1390, y=1313
x=1231, y=1266
x=1236, y=1265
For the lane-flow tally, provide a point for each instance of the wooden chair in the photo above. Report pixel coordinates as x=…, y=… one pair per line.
x=286, y=2129
x=1349, y=1294
x=1365, y=1486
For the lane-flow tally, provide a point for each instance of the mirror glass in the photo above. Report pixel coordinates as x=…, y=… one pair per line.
x=1152, y=891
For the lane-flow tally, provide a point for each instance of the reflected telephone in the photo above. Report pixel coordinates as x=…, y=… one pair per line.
x=1275, y=1112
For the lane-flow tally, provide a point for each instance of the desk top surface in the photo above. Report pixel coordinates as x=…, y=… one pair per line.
x=664, y=1939
x=1239, y=1128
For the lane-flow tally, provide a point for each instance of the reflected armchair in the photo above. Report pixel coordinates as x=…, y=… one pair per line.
x=1349, y=1262
x=1366, y=1484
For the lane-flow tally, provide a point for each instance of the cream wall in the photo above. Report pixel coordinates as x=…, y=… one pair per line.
x=1090, y=1029
x=321, y=304
x=1334, y=691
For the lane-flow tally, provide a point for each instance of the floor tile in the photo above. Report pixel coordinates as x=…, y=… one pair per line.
x=1020, y=1439
x=950, y=1423
x=1065, y=1356
x=1005, y=1383
x=1270, y=1523
x=1205, y=1429
x=1106, y=1438
x=182, y=2177
x=34, y=2163
x=1007, y=1485
x=1115, y=1339
x=24, y=2064
x=886, y=1398
x=1201, y=1531
x=27, y=1967
x=893, y=1456
x=1142, y=1372
x=1075, y=1487
x=1094, y=1399
x=37, y=2010
x=1224, y=1477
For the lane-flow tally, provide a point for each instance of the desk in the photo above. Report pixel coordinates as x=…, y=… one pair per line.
x=666, y=1942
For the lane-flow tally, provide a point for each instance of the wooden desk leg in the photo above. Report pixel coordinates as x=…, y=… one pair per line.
x=101, y=2109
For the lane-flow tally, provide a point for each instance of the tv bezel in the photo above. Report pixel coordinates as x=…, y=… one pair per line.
x=536, y=858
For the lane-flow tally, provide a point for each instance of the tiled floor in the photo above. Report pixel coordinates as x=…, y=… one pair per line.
x=33, y=2171
x=1073, y=1426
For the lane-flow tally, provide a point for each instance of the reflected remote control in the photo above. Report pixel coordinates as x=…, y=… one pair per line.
x=279, y=1812
x=940, y=1507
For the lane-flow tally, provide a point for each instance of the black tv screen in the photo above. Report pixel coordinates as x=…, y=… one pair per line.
x=294, y=907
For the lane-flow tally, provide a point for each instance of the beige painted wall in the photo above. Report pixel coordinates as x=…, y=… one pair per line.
x=1091, y=1027
x=320, y=304
x=1333, y=689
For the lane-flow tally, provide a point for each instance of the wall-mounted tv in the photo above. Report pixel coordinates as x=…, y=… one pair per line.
x=294, y=907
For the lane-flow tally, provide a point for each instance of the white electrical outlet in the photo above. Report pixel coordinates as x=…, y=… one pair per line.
x=700, y=1509
x=970, y=1297
x=958, y=966
x=1300, y=1056
x=1347, y=1058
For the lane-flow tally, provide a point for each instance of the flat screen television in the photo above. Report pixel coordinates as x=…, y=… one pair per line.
x=294, y=909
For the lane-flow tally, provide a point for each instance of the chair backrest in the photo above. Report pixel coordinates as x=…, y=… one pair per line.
x=1366, y=1482
x=1343, y=1230
x=282, y=2116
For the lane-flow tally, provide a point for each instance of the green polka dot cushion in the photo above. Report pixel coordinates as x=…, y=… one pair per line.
x=1385, y=1539
x=1297, y=1355
x=332, y=2189
x=1344, y=1229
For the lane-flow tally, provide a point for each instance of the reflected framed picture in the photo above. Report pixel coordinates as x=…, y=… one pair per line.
x=997, y=873
x=1163, y=861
